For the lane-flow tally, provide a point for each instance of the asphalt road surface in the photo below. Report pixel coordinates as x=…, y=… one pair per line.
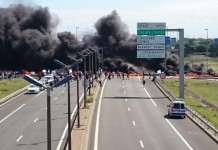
x=23, y=120
x=131, y=117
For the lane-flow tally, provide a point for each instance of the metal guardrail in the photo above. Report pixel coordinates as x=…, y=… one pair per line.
x=194, y=116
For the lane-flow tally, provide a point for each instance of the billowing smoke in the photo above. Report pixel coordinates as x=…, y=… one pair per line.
x=26, y=37
x=27, y=41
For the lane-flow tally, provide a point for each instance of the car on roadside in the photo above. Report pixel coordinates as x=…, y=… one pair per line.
x=33, y=89
x=177, y=108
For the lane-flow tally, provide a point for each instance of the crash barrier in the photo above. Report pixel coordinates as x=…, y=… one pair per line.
x=5, y=99
x=194, y=116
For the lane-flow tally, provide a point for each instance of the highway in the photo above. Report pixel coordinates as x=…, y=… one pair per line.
x=131, y=117
x=23, y=120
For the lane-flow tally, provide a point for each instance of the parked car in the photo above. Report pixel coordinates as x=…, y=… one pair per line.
x=33, y=89
x=177, y=108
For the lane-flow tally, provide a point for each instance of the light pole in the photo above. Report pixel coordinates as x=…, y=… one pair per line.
x=84, y=84
x=48, y=88
x=76, y=31
x=68, y=87
x=207, y=48
x=77, y=68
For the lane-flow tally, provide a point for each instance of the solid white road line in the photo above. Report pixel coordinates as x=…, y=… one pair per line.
x=177, y=132
x=150, y=97
x=141, y=143
x=97, y=119
x=129, y=109
x=19, y=138
x=66, y=127
x=35, y=120
x=12, y=113
x=133, y=123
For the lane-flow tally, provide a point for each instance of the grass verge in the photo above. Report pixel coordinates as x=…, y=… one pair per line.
x=9, y=86
x=203, y=88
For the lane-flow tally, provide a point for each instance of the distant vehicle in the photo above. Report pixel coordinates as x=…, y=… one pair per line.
x=33, y=89
x=177, y=108
x=49, y=79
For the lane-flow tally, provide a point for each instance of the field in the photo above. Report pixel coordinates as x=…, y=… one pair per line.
x=205, y=89
x=9, y=86
x=212, y=61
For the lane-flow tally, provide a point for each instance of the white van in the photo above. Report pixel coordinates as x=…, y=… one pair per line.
x=177, y=108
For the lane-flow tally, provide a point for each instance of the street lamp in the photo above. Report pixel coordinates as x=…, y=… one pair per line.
x=68, y=87
x=76, y=31
x=48, y=88
x=207, y=48
x=84, y=84
x=77, y=68
x=90, y=63
x=102, y=57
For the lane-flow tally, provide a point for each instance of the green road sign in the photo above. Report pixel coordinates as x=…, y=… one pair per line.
x=151, y=32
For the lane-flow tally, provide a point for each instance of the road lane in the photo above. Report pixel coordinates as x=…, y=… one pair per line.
x=27, y=128
x=130, y=120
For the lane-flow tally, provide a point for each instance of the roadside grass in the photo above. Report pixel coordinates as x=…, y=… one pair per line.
x=203, y=88
x=9, y=86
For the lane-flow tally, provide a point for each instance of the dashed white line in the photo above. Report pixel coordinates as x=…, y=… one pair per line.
x=62, y=92
x=19, y=138
x=35, y=120
x=133, y=122
x=56, y=98
x=177, y=132
x=124, y=92
x=45, y=107
x=123, y=86
x=12, y=113
x=150, y=97
x=126, y=100
x=141, y=143
x=129, y=109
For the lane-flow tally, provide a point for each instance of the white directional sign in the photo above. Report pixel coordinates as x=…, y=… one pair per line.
x=150, y=40
x=150, y=53
x=151, y=25
x=157, y=46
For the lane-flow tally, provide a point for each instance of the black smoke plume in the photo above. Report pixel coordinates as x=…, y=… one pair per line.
x=27, y=42
x=26, y=37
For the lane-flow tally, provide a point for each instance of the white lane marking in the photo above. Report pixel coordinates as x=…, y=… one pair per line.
x=19, y=138
x=177, y=132
x=56, y=98
x=35, y=120
x=126, y=100
x=12, y=113
x=123, y=82
x=133, y=122
x=62, y=92
x=45, y=107
x=123, y=86
x=150, y=97
x=141, y=143
x=39, y=93
x=129, y=109
x=97, y=119
x=124, y=92
x=66, y=127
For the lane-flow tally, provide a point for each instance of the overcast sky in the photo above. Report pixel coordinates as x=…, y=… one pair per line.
x=193, y=15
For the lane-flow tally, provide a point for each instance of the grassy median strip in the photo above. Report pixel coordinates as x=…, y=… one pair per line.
x=205, y=89
x=8, y=86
